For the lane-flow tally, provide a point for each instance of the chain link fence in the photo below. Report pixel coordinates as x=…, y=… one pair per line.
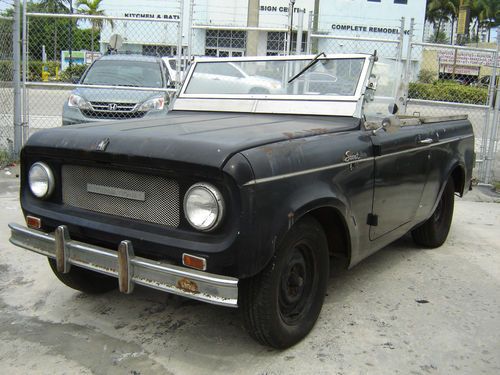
x=6, y=91
x=91, y=68
x=453, y=80
x=140, y=60
x=335, y=35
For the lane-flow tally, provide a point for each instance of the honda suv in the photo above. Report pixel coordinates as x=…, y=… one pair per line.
x=135, y=78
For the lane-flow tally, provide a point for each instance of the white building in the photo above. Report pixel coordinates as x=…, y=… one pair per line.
x=221, y=26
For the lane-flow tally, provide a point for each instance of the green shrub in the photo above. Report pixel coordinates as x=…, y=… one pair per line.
x=6, y=67
x=446, y=91
x=427, y=76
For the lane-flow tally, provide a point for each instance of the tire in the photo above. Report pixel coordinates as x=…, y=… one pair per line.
x=85, y=281
x=433, y=232
x=282, y=303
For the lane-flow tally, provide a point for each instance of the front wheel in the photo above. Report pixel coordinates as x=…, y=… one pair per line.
x=433, y=232
x=85, y=280
x=282, y=303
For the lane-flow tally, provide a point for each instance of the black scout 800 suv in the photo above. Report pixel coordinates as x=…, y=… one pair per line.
x=242, y=199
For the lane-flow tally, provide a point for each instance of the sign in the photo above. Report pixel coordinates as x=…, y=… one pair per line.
x=459, y=69
x=156, y=16
x=465, y=58
x=77, y=58
x=367, y=29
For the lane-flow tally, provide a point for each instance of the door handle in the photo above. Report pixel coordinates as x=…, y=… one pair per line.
x=425, y=141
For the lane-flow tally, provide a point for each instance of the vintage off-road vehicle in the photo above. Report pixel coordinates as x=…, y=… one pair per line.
x=243, y=198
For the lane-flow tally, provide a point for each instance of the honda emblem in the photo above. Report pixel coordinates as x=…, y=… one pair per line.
x=112, y=106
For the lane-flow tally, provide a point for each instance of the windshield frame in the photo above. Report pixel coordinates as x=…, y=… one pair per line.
x=305, y=58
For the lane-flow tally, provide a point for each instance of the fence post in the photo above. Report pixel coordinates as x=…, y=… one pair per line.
x=300, y=28
x=25, y=101
x=190, y=30
x=16, y=78
x=180, y=27
x=401, y=40
x=408, y=63
x=490, y=156
x=309, y=32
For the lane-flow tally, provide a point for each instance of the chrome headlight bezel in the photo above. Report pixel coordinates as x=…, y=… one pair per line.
x=153, y=104
x=217, y=203
x=49, y=180
x=77, y=101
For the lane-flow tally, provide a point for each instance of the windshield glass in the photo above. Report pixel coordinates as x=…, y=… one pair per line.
x=328, y=77
x=124, y=73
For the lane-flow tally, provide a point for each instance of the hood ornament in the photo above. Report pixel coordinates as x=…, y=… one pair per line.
x=101, y=146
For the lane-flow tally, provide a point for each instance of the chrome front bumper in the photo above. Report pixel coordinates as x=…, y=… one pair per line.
x=128, y=268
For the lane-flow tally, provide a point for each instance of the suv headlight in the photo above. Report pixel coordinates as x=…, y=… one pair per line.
x=203, y=206
x=155, y=103
x=41, y=180
x=78, y=102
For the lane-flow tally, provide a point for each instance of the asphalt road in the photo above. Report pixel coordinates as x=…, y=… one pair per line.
x=404, y=310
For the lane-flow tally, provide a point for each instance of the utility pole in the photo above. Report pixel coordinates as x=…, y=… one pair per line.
x=253, y=21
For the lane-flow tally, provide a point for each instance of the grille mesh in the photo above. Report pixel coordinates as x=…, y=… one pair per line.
x=160, y=206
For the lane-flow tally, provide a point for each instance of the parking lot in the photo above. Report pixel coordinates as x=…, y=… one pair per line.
x=403, y=310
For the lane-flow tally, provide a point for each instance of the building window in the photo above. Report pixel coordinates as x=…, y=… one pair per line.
x=375, y=1
x=276, y=42
x=224, y=43
x=400, y=1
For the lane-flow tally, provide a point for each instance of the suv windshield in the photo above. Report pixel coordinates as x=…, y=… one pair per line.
x=328, y=77
x=124, y=73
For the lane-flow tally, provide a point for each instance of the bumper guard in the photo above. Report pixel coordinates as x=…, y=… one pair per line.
x=128, y=268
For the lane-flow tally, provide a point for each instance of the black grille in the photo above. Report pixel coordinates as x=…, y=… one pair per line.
x=112, y=115
x=137, y=196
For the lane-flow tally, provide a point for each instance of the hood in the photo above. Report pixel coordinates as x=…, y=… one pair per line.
x=116, y=95
x=203, y=138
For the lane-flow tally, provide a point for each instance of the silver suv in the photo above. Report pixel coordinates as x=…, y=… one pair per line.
x=87, y=104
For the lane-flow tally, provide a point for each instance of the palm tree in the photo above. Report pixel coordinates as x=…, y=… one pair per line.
x=439, y=11
x=454, y=17
x=54, y=6
x=92, y=8
x=491, y=14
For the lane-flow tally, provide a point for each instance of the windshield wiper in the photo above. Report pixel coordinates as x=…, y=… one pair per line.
x=305, y=68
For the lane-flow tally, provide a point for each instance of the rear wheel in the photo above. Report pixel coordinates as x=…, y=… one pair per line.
x=85, y=280
x=434, y=231
x=282, y=303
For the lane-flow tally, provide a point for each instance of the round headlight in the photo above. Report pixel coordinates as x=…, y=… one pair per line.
x=203, y=206
x=41, y=180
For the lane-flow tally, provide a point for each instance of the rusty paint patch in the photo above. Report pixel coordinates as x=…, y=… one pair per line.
x=187, y=285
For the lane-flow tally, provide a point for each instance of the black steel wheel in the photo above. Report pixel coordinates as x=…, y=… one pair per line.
x=282, y=303
x=85, y=281
x=433, y=232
